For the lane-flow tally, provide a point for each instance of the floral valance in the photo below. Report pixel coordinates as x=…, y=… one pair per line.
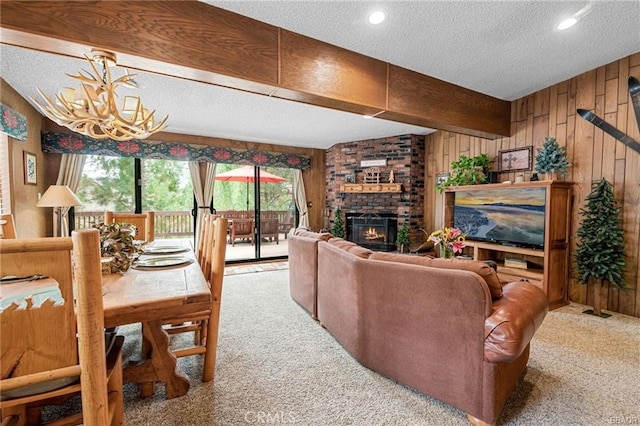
x=68, y=143
x=13, y=123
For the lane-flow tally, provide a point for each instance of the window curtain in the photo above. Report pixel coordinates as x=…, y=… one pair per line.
x=300, y=198
x=203, y=191
x=69, y=174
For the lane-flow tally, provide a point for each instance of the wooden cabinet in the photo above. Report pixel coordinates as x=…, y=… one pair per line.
x=370, y=187
x=547, y=267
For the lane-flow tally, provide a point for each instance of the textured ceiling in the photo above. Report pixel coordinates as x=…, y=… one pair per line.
x=503, y=49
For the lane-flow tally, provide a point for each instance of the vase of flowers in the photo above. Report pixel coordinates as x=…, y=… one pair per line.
x=116, y=242
x=448, y=240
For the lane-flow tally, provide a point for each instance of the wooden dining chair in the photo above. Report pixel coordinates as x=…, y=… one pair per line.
x=204, y=325
x=7, y=227
x=41, y=357
x=144, y=223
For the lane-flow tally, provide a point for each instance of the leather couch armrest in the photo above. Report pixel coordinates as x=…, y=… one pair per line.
x=514, y=319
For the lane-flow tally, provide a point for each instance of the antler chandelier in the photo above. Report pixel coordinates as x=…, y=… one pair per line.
x=92, y=109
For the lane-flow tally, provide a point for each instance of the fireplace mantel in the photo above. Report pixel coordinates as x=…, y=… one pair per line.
x=370, y=187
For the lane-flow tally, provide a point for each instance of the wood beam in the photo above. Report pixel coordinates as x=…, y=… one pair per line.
x=192, y=40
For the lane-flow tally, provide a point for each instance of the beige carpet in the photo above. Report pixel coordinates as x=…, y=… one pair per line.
x=277, y=366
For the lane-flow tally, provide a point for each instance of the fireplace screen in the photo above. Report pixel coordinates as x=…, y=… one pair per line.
x=373, y=231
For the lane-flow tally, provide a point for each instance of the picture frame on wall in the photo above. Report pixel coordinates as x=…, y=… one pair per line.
x=30, y=168
x=441, y=177
x=515, y=160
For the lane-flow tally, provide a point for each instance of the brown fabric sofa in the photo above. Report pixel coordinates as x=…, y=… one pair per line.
x=303, y=267
x=437, y=330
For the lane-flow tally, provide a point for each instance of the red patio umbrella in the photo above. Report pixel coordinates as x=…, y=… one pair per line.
x=246, y=174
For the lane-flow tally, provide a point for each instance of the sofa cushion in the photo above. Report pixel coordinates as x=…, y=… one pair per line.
x=362, y=252
x=341, y=243
x=310, y=234
x=484, y=270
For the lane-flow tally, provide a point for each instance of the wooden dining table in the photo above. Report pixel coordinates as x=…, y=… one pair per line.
x=151, y=297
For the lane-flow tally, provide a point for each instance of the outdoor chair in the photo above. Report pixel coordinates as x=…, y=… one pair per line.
x=243, y=229
x=269, y=230
x=43, y=361
x=286, y=224
x=144, y=223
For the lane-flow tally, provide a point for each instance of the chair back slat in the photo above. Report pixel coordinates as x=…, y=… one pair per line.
x=7, y=227
x=87, y=271
x=41, y=337
x=216, y=276
x=144, y=223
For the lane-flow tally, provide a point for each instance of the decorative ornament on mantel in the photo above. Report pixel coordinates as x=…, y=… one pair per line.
x=92, y=109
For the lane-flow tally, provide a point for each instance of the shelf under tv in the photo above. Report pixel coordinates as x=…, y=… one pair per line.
x=548, y=267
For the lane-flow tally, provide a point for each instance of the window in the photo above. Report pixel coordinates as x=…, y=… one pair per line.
x=5, y=177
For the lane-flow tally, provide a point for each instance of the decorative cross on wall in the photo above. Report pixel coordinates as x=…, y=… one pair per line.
x=508, y=160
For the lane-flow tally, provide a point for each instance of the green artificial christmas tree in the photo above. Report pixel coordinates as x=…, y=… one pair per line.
x=402, y=239
x=338, y=224
x=600, y=253
x=552, y=157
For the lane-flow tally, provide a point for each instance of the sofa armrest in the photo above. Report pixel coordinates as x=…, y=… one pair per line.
x=514, y=319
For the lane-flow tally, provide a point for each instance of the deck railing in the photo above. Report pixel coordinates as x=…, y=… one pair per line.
x=167, y=224
x=175, y=223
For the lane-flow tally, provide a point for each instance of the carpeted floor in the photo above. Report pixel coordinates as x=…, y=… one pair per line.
x=278, y=366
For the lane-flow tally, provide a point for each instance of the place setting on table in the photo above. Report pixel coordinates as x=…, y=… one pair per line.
x=156, y=256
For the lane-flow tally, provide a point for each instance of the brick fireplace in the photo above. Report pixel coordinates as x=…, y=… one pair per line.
x=405, y=155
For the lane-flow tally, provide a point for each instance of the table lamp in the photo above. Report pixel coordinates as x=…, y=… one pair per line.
x=59, y=197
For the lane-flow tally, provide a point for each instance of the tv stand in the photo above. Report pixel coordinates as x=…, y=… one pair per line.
x=548, y=267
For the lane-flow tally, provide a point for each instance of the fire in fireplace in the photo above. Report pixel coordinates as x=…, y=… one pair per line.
x=373, y=231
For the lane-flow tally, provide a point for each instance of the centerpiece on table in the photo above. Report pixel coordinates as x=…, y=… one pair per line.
x=448, y=240
x=116, y=241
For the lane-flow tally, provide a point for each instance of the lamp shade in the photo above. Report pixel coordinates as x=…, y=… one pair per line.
x=58, y=196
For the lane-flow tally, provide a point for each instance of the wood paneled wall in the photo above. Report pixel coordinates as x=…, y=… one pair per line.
x=31, y=221
x=592, y=153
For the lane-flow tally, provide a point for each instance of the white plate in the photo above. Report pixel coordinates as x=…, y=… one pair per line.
x=164, y=250
x=162, y=262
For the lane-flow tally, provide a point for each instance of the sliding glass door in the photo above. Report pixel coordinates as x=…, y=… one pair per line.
x=257, y=202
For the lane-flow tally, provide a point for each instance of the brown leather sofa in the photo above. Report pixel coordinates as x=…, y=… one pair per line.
x=456, y=334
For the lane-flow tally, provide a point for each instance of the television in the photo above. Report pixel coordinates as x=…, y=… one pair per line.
x=510, y=215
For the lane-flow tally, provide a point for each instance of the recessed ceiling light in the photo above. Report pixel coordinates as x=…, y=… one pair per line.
x=367, y=117
x=567, y=23
x=377, y=17
x=570, y=22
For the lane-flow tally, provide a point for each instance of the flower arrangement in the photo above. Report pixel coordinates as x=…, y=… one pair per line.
x=116, y=240
x=448, y=240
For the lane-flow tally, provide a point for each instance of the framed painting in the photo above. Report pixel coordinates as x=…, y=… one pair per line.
x=30, y=169
x=515, y=160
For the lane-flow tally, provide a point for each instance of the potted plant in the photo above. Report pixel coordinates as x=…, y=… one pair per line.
x=467, y=171
x=402, y=239
x=116, y=241
x=338, y=224
x=600, y=253
x=552, y=158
